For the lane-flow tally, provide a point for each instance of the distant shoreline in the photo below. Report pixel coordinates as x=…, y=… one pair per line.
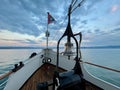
x=21, y=47
x=89, y=47
x=101, y=47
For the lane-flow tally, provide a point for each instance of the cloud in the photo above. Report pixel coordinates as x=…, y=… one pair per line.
x=27, y=16
x=84, y=21
x=13, y=37
x=24, y=16
x=14, y=18
x=87, y=7
x=29, y=41
x=115, y=31
x=25, y=21
x=114, y=8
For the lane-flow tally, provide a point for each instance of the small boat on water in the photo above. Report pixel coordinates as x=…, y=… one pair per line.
x=50, y=70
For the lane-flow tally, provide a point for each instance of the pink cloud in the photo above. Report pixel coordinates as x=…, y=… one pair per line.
x=114, y=8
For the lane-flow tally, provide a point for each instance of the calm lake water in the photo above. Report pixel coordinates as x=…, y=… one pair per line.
x=104, y=57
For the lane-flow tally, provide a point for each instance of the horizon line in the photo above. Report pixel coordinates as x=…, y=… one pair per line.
x=41, y=47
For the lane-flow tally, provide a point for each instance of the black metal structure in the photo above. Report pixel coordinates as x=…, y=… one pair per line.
x=66, y=82
x=68, y=32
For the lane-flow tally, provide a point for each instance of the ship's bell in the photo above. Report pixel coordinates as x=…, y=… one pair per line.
x=68, y=49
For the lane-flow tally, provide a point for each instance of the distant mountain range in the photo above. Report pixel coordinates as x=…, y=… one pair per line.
x=101, y=47
x=86, y=47
x=19, y=47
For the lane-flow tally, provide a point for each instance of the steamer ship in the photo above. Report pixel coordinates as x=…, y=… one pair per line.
x=49, y=70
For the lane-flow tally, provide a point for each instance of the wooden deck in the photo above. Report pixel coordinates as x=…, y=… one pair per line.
x=45, y=73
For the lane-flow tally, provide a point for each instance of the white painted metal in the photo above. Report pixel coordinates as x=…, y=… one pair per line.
x=17, y=79
x=96, y=81
x=63, y=60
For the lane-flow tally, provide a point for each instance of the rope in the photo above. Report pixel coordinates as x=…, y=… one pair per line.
x=111, y=69
x=57, y=34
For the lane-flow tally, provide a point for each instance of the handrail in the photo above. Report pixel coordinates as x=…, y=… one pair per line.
x=108, y=68
x=6, y=74
x=16, y=68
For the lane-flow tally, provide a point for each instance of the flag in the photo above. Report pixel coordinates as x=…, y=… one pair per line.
x=50, y=18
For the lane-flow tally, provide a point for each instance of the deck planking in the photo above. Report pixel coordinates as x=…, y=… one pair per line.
x=45, y=73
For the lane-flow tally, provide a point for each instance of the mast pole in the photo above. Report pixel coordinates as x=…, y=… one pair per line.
x=47, y=35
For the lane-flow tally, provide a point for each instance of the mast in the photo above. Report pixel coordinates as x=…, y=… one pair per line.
x=68, y=32
x=50, y=20
x=47, y=35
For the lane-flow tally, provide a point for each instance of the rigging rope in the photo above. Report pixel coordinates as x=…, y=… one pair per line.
x=73, y=3
x=56, y=34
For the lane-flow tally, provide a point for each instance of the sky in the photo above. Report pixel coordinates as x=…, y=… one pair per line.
x=24, y=22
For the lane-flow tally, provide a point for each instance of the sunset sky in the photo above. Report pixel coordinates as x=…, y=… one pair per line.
x=24, y=22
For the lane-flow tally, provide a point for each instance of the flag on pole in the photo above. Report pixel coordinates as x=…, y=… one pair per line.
x=50, y=18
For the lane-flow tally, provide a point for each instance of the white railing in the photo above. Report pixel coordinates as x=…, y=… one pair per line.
x=104, y=67
x=97, y=81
